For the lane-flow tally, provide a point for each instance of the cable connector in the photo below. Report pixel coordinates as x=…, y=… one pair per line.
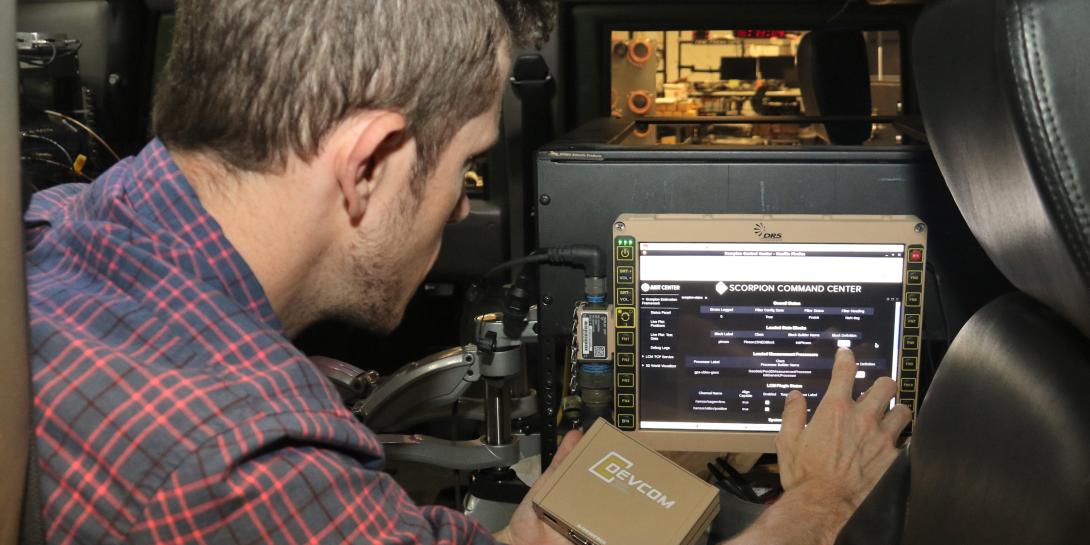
x=589, y=258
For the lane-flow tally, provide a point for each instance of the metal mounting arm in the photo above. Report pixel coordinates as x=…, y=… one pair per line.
x=426, y=390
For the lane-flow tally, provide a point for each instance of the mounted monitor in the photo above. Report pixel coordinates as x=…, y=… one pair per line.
x=740, y=68
x=781, y=67
x=719, y=317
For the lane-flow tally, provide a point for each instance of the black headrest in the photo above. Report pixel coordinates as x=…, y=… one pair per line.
x=834, y=76
x=1003, y=90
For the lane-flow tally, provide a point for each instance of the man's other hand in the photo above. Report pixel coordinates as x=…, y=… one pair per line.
x=525, y=527
x=828, y=467
x=848, y=445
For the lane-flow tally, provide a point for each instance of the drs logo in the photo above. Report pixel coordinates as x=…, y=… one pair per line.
x=764, y=233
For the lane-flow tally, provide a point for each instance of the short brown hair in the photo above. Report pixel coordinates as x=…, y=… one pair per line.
x=251, y=81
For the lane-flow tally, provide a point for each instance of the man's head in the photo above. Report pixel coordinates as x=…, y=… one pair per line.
x=351, y=121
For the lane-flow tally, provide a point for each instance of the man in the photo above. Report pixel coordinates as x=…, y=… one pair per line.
x=309, y=156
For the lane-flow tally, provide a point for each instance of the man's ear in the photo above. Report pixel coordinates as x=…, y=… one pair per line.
x=371, y=142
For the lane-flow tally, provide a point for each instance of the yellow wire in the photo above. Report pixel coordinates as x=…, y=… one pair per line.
x=59, y=165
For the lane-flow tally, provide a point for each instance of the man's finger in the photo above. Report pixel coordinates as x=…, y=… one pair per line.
x=876, y=399
x=562, y=451
x=843, y=380
x=794, y=415
x=570, y=440
x=896, y=420
x=566, y=446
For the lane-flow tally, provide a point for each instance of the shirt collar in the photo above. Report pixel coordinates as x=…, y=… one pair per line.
x=161, y=195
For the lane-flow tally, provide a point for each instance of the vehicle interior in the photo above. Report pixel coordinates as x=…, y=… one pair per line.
x=653, y=154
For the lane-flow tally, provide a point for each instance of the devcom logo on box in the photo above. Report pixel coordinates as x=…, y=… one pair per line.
x=614, y=468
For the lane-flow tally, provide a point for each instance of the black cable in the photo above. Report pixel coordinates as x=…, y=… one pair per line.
x=58, y=165
x=536, y=257
x=478, y=289
x=738, y=480
x=589, y=258
x=724, y=482
x=518, y=299
x=54, y=55
x=583, y=256
x=67, y=155
x=933, y=367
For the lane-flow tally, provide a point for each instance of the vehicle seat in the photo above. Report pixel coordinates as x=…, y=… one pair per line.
x=15, y=397
x=1001, y=448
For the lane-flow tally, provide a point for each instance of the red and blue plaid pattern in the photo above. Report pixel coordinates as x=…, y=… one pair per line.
x=170, y=408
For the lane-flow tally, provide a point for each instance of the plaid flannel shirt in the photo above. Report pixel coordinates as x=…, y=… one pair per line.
x=169, y=406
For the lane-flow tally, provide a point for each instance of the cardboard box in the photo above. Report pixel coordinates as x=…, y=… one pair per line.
x=612, y=490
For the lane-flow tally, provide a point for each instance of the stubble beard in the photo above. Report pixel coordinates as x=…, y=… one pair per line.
x=369, y=288
x=373, y=293
x=370, y=295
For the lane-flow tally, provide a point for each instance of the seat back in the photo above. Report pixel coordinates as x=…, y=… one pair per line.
x=1001, y=451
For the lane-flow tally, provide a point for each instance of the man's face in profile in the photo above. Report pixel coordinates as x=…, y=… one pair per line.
x=380, y=271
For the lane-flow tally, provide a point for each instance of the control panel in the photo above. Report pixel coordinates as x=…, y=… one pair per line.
x=624, y=366
x=718, y=318
x=915, y=279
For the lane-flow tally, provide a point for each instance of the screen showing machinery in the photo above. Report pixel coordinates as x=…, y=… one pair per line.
x=677, y=72
x=719, y=319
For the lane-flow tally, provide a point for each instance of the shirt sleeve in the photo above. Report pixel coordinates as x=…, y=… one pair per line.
x=294, y=494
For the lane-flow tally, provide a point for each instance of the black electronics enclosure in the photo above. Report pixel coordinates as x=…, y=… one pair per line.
x=588, y=178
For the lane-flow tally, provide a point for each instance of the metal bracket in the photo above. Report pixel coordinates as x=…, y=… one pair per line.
x=460, y=455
